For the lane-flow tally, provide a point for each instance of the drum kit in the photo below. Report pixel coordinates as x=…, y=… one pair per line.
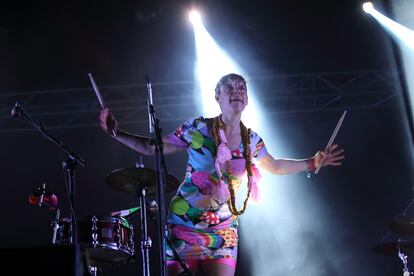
x=402, y=246
x=109, y=241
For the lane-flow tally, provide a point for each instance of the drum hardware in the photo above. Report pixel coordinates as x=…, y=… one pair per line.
x=146, y=242
x=402, y=245
x=152, y=209
x=404, y=259
x=93, y=270
x=106, y=240
x=113, y=243
x=42, y=198
x=69, y=165
x=133, y=179
x=404, y=227
x=55, y=225
x=94, y=233
x=128, y=180
x=142, y=182
x=42, y=194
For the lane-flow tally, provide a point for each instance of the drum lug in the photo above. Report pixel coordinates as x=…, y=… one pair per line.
x=117, y=234
x=131, y=239
x=94, y=234
x=146, y=244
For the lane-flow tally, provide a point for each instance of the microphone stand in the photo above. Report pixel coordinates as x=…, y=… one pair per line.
x=161, y=181
x=69, y=166
x=159, y=161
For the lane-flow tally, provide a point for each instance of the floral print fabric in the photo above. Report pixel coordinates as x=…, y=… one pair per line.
x=195, y=218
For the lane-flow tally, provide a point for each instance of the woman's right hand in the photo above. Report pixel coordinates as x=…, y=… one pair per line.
x=108, y=122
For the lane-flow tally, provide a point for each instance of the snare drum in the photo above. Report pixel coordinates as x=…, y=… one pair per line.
x=106, y=239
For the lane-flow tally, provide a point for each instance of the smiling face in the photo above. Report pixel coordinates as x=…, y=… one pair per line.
x=231, y=94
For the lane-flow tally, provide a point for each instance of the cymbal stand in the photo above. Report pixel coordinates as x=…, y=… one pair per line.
x=145, y=239
x=404, y=259
x=402, y=214
x=69, y=166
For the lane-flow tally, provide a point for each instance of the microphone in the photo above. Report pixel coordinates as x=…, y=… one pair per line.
x=149, y=102
x=16, y=111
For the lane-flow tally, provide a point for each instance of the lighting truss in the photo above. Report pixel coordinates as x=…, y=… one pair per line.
x=175, y=101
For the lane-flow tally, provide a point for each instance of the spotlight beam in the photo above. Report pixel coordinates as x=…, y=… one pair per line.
x=398, y=31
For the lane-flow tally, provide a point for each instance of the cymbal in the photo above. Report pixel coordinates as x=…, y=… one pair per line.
x=404, y=226
x=391, y=248
x=129, y=180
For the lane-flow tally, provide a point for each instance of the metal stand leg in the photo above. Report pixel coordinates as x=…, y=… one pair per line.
x=145, y=239
x=404, y=259
x=56, y=226
x=93, y=270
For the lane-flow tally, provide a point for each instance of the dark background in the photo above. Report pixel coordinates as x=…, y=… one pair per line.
x=53, y=45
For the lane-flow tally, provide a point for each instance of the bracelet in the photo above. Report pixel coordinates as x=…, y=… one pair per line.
x=310, y=167
x=114, y=132
x=311, y=163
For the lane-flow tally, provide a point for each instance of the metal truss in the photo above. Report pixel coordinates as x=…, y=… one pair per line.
x=177, y=101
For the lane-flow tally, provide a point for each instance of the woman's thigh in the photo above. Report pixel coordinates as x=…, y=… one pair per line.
x=219, y=268
x=222, y=267
x=175, y=268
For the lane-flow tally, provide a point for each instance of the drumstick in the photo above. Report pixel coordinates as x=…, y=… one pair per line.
x=99, y=96
x=338, y=126
x=124, y=213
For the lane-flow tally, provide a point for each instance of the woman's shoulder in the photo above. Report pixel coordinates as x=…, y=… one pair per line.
x=200, y=122
x=253, y=134
x=255, y=138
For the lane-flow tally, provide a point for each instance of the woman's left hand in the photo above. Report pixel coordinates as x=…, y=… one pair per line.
x=330, y=157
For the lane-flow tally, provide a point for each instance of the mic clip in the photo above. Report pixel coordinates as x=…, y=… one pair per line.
x=42, y=194
x=43, y=198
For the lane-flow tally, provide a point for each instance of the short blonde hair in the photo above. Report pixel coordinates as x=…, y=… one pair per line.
x=226, y=78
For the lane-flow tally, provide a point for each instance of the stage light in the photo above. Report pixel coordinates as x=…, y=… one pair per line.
x=194, y=16
x=403, y=35
x=368, y=7
x=211, y=64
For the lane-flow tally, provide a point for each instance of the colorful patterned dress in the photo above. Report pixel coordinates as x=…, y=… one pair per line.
x=199, y=226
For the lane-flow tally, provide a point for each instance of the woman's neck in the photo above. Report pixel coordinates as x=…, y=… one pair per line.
x=231, y=123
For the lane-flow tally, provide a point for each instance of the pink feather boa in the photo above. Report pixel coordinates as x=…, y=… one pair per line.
x=254, y=184
x=221, y=190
